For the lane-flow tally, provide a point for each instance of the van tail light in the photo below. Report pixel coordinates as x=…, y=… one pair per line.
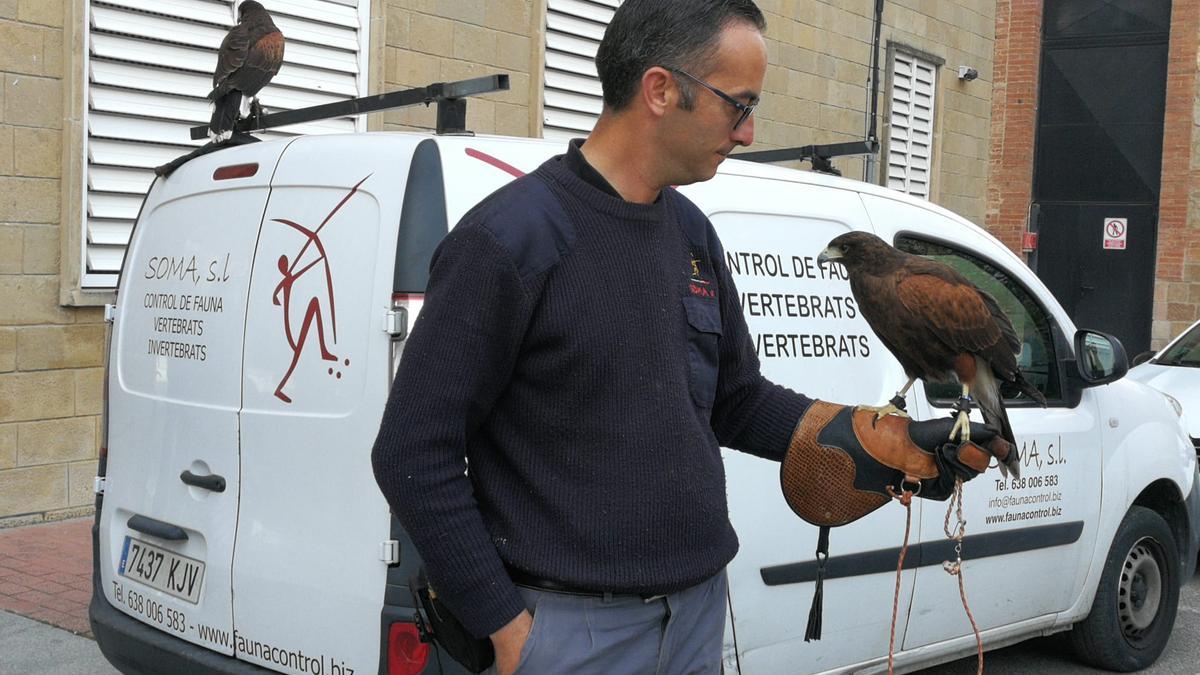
x=407, y=655
x=236, y=171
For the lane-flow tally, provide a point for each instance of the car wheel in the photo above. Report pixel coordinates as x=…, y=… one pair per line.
x=1134, y=608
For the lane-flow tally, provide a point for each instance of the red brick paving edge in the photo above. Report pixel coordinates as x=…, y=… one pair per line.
x=45, y=573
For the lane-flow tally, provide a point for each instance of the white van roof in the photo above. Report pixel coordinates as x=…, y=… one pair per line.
x=733, y=166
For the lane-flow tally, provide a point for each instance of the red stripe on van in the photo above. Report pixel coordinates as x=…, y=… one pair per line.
x=498, y=163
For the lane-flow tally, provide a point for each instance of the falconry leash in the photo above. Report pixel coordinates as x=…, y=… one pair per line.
x=955, y=507
x=955, y=568
x=905, y=498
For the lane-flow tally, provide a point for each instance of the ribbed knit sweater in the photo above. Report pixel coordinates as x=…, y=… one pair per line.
x=563, y=396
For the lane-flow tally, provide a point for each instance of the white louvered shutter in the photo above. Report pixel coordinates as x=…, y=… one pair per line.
x=571, y=95
x=150, y=65
x=910, y=143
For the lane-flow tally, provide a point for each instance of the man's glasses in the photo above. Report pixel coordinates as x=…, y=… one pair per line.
x=744, y=110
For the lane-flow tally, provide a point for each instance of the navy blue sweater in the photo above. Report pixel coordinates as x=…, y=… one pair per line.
x=561, y=402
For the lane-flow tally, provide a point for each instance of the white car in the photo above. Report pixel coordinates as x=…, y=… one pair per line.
x=1175, y=371
x=263, y=309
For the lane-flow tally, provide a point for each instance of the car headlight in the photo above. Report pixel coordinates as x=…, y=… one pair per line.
x=1174, y=403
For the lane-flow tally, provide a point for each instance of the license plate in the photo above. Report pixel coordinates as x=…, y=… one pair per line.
x=157, y=567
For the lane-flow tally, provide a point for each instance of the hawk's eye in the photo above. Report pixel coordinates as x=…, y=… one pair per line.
x=845, y=248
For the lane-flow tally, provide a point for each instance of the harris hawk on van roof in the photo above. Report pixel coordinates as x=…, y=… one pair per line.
x=939, y=325
x=249, y=56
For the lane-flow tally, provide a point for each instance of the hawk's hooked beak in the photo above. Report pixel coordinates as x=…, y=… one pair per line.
x=830, y=253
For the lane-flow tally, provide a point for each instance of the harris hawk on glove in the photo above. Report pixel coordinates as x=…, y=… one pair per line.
x=249, y=56
x=938, y=325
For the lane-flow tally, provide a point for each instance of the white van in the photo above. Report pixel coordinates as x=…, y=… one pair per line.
x=263, y=308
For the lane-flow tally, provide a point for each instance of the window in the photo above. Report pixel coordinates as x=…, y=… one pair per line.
x=1103, y=17
x=571, y=95
x=910, y=136
x=1037, y=359
x=1184, y=352
x=149, y=67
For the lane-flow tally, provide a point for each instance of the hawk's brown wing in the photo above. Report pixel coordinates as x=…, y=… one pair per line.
x=954, y=311
x=262, y=62
x=230, y=56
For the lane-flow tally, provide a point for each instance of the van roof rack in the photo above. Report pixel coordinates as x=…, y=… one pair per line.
x=819, y=155
x=450, y=98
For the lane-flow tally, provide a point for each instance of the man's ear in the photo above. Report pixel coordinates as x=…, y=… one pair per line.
x=659, y=92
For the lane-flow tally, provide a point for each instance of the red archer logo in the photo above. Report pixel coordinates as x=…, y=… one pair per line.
x=312, y=311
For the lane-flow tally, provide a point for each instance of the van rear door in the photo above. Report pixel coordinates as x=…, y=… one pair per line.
x=308, y=577
x=171, y=496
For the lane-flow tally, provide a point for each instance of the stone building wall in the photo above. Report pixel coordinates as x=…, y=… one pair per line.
x=428, y=41
x=816, y=90
x=51, y=357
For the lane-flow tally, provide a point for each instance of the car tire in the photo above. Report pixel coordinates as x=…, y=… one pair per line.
x=1134, y=609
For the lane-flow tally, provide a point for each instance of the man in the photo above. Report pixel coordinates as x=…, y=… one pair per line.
x=582, y=347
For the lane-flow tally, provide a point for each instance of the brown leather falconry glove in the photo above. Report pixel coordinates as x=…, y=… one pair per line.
x=841, y=461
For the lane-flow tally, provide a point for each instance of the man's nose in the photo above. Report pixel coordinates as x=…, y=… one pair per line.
x=744, y=134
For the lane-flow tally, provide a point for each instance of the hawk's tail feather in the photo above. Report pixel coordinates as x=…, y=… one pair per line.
x=986, y=391
x=225, y=112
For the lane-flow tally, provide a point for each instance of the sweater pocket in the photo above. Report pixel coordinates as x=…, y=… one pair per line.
x=704, y=334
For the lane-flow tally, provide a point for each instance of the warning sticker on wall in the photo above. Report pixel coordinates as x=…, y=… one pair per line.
x=1115, y=232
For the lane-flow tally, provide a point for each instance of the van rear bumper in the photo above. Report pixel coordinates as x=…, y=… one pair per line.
x=133, y=647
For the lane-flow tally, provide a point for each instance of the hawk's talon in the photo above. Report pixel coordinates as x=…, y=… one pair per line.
x=962, y=427
x=883, y=411
x=899, y=403
x=254, y=118
x=962, y=423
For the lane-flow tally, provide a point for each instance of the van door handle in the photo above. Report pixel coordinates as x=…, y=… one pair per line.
x=157, y=528
x=211, y=482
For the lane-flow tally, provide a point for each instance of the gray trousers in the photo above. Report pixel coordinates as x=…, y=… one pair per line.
x=676, y=634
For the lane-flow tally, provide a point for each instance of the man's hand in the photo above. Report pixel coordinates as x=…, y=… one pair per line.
x=509, y=640
x=956, y=461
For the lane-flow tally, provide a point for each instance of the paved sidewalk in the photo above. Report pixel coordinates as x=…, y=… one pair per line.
x=31, y=648
x=46, y=573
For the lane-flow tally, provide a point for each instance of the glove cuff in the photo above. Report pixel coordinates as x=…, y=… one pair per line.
x=818, y=478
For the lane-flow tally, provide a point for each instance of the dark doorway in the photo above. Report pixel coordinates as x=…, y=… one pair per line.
x=1101, y=102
